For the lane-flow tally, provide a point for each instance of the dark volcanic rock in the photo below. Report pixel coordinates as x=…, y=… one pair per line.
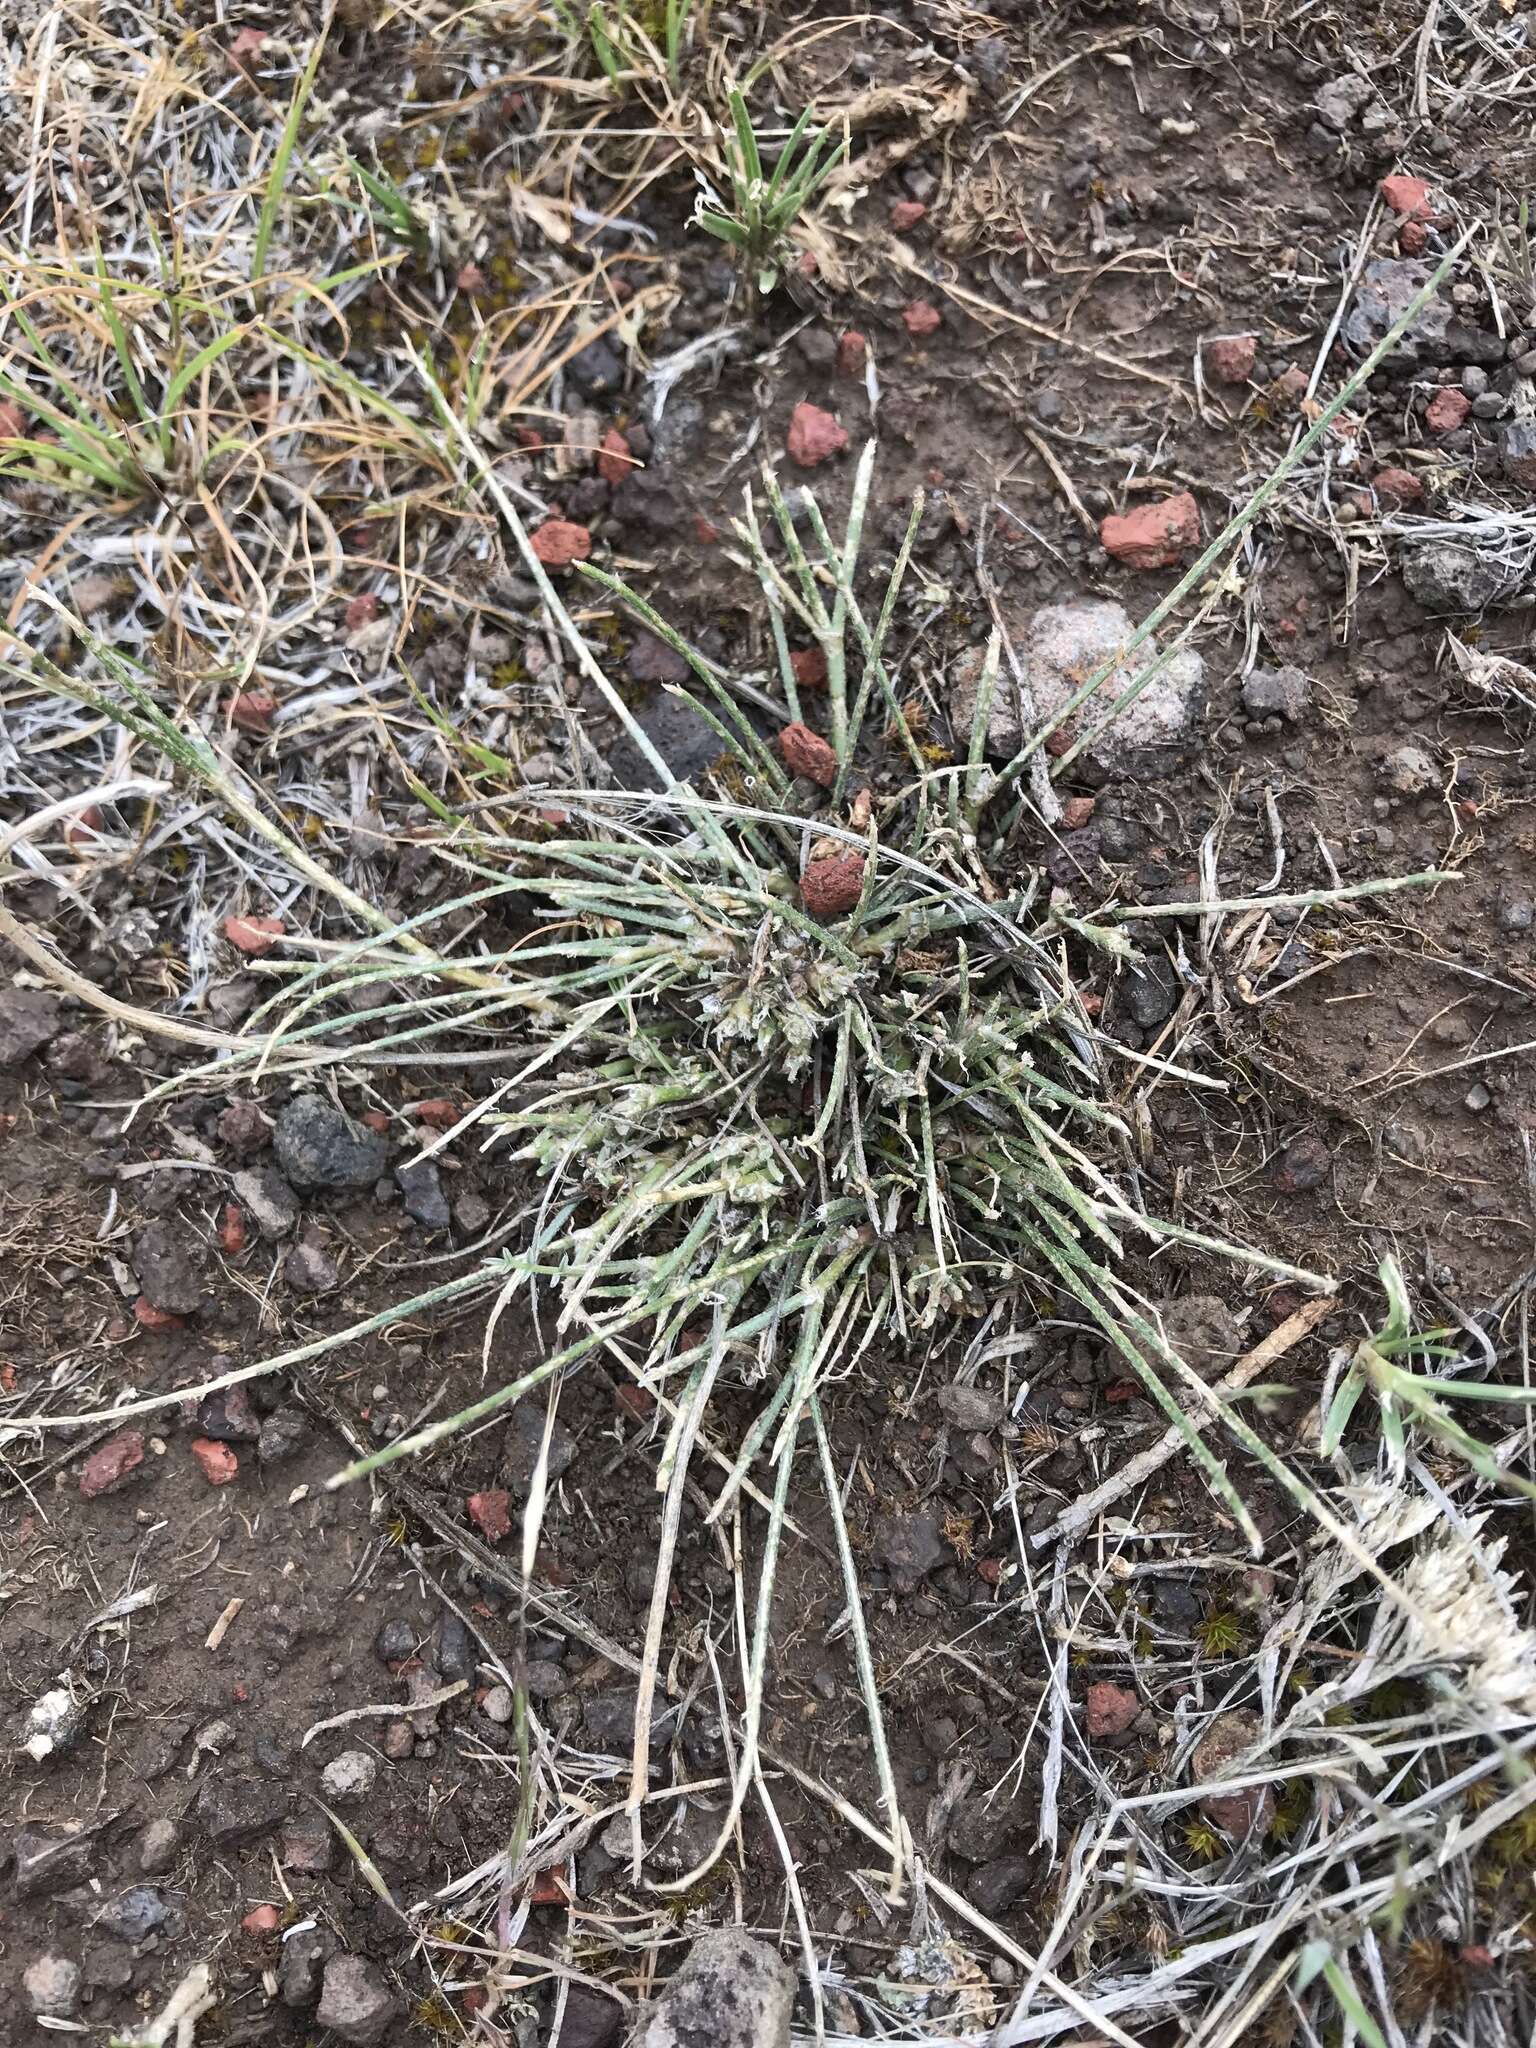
x=319, y=1146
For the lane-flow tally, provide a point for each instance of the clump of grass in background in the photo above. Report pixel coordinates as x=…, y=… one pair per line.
x=630, y=44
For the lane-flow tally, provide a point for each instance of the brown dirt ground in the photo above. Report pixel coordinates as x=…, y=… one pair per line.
x=1087, y=212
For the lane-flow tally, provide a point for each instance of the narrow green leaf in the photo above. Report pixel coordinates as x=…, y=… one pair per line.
x=1340, y=1408
x=277, y=177
x=190, y=371
x=724, y=230
x=120, y=344
x=787, y=153
x=71, y=458
x=746, y=139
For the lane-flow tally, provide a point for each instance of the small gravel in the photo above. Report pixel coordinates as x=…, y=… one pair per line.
x=350, y=1775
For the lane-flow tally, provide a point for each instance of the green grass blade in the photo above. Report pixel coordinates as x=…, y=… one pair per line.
x=722, y=229
x=277, y=177
x=787, y=154
x=746, y=139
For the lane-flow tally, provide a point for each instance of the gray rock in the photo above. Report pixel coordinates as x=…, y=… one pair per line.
x=159, y=1846
x=169, y=1261
x=640, y=1575
x=679, y=431
x=349, y=1776
x=1491, y=406
x=283, y=1435
x=29, y=1017
x=238, y=1811
x=272, y=1751
x=521, y=1444
x=590, y=2020
x=1469, y=344
x=319, y=1146
x=229, y=1416
x=52, y=1985
x=910, y=1547
x=48, y=1863
x=732, y=1992
x=1150, y=992
x=970, y=1407
x=652, y=660
x=301, y=1965
x=1342, y=100
x=597, y=370
x=231, y=1002
x=1443, y=576
x=1203, y=1331
x=396, y=1640
x=268, y=1200
x=134, y=1915
x=684, y=1840
x=981, y=1828
x=1517, y=453
x=1278, y=693
x=609, y=1720
x=818, y=346
x=307, y=1844
x=546, y=1680
x=1436, y=335
x=940, y=1736
x=453, y=1649
x=1410, y=770
x=1176, y=1606
x=55, y=1722
x=422, y=1187
x=989, y=57
x=310, y=1269
x=1059, y=648
x=1000, y=1884
x=685, y=741
x=107, y=1965
x=1304, y=1163
x=499, y=1705
x=355, y=2002
x=471, y=1212
x=1383, y=295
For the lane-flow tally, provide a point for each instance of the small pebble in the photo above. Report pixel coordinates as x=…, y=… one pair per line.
x=159, y=1846
x=349, y=1776
x=396, y=1640
x=52, y=1985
